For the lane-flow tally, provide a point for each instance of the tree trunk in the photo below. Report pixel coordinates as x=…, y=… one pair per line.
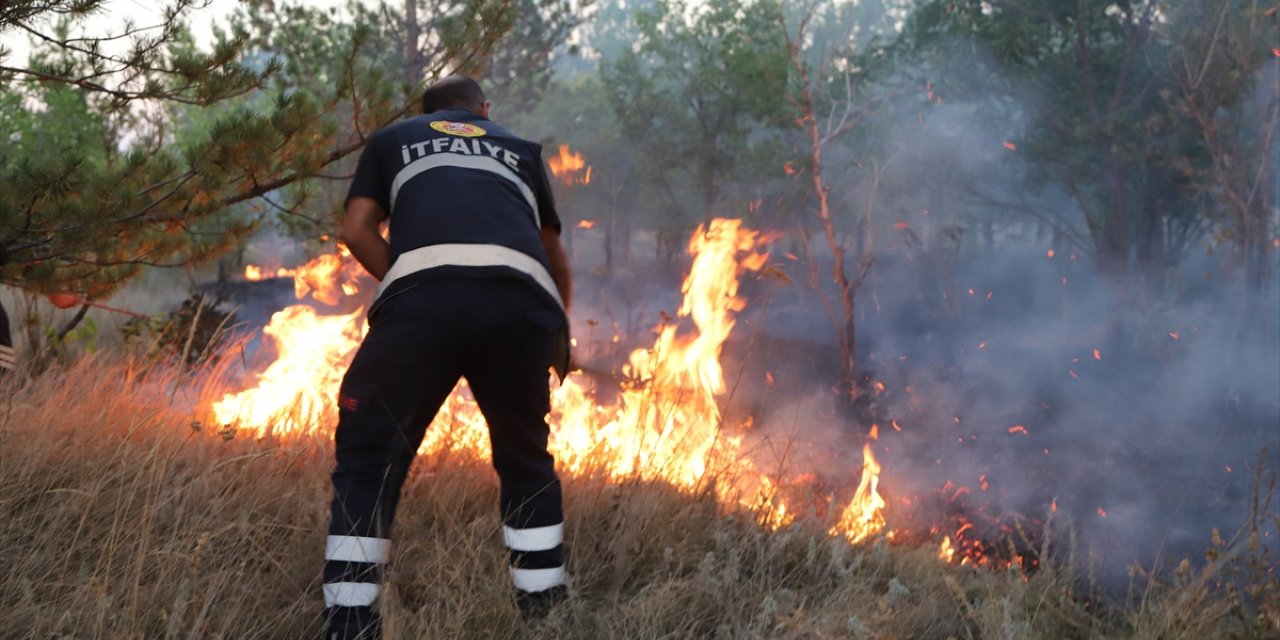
x=413, y=36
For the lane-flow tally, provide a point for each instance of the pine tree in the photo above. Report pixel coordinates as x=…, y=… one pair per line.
x=116, y=157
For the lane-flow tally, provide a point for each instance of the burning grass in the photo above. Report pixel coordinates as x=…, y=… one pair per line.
x=123, y=518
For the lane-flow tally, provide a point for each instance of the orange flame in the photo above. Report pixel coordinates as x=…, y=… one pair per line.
x=254, y=273
x=864, y=517
x=295, y=393
x=665, y=423
x=946, y=552
x=569, y=167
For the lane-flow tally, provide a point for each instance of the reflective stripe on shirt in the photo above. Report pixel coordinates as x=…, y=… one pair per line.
x=468, y=255
x=458, y=160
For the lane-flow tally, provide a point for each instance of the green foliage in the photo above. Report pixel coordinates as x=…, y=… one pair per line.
x=363, y=68
x=83, y=336
x=520, y=71
x=100, y=183
x=700, y=94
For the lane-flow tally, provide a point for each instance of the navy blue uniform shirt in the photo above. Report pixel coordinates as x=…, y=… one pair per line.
x=455, y=177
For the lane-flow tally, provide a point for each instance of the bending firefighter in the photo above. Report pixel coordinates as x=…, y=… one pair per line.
x=474, y=284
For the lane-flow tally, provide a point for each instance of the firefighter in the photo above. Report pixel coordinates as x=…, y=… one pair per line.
x=474, y=284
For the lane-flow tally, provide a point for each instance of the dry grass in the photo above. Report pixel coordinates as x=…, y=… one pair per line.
x=121, y=518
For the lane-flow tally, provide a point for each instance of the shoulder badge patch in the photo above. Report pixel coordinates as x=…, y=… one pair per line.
x=458, y=128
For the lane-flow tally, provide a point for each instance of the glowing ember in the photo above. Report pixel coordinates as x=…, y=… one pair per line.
x=586, y=224
x=1010, y=146
x=569, y=167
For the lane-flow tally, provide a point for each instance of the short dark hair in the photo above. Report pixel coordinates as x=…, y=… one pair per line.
x=453, y=91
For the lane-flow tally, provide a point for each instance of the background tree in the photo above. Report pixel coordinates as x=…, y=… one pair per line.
x=1086, y=81
x=829, y=94
x=1227, y=87
x=701, y=96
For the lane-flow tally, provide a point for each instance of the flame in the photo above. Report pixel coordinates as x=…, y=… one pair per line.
x=586, y=224
x=296, y=392
x=569, y=167
x=328, y=279
x=946, y=552
x=665, y=425
x=864, y=517
x=254, y=273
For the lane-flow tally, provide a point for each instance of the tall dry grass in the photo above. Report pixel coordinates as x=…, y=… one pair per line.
x=122, y=516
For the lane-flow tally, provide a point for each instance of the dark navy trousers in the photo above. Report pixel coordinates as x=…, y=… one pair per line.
x=497, y=333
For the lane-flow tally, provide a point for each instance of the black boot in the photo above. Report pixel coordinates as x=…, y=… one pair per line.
x=537, y=604
x=352, y=623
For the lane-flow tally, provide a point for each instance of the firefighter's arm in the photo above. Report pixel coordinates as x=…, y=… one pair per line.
x=360, y=231
x=559, y=264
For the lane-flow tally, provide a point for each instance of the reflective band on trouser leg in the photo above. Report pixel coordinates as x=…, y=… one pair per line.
x=8, y=357
x=537, y=556
x=534, y=539
x=533, y=580
x=357, y=549
x=350, y=594
x=352, y=569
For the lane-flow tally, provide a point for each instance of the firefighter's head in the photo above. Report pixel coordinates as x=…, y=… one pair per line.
x=455, y=92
